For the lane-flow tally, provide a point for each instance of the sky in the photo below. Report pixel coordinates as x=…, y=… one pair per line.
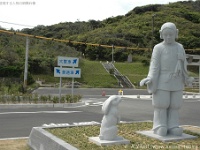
x=19, y=14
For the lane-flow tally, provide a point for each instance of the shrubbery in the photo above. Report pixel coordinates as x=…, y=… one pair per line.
x=35, y=99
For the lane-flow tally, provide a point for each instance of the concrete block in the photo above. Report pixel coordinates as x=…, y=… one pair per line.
x=167, y=138
x=40, y=139
x=99, y=142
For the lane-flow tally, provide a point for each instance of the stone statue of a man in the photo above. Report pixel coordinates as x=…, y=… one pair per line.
x=166, y=80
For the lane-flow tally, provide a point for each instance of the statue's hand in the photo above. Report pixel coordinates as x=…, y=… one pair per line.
x=145, y=81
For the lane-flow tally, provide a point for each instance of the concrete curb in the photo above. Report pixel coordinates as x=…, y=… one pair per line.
x=40, y=139
x=66, y=105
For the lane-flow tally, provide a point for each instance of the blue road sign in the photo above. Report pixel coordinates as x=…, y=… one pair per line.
x=67, y=72
x=68, y=61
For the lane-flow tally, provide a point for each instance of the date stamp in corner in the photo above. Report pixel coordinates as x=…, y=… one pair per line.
x=17, y=3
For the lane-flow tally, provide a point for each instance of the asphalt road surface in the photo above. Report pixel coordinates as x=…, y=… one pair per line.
x=19, y=122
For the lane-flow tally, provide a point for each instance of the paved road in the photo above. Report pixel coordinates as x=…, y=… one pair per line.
x=19, y=122
x=142, y=109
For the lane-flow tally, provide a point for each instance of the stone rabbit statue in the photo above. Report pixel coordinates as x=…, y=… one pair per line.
x=108, y=130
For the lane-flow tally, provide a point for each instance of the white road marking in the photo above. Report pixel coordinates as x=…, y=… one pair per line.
x=15, y=138
x=189, y=98
x=67, y=124
x=98, y=103
x=40, y=112
x=141, y=97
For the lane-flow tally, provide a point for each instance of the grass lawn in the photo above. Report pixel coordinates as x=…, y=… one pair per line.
x=134, y=71
x=78, y=137
x=93, y=74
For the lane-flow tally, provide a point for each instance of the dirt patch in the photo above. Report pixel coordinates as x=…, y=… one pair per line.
x=193, y=129
x=14, y=144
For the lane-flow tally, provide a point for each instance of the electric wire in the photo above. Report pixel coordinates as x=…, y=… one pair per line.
x=69, y=41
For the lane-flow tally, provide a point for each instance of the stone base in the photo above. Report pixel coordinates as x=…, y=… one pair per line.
x=99, y=142
x=167, y=138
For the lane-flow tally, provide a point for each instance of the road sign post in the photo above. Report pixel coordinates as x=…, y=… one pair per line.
x=60, y=87
x=67, y=72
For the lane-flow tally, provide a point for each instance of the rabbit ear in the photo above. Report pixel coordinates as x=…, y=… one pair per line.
x=106, y=105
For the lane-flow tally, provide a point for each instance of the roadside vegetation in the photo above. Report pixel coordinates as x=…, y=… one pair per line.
x=36, y=99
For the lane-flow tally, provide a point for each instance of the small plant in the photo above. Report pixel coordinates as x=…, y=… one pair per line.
x=55, y=99
x=68, y=98
x=1, y=98
x=77, y=98
x=74, y=99
x=146, y=62
x=43, y=99
x=35, y=98
x=18, y=98
x=29, y=98
x=111, y=71
x=62, y=99
x=22, y=99
x=13, y=99
x=4, y=99
x=49, y=98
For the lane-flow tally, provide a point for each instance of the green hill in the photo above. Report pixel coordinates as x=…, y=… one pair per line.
x=133, y=30
x=94, y=75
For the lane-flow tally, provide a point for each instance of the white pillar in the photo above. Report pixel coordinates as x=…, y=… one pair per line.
x=60, y=86
x=112, y=53
x=26, y=63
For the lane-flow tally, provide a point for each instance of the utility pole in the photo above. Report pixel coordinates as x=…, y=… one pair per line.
x=153, y=21
x=112, y=53
x=26, y=63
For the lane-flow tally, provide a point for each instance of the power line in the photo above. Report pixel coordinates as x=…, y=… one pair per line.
x=17, y=24
x=69, y=41
x=76, y=42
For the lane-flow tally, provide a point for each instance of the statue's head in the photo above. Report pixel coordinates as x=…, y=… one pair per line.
x=112, y=101
x=168, y=32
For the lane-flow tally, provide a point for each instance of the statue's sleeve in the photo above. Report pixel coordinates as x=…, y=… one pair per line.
x=154, y=70
x=185, y=63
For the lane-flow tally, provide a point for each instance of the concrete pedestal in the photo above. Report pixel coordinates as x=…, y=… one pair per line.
x=41, y=139
x=167, y=138
x=99, y=142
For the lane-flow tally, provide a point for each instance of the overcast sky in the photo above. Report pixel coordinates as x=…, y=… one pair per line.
x=47, y=12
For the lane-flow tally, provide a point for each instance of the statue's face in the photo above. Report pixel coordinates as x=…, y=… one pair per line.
x=169, y=35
